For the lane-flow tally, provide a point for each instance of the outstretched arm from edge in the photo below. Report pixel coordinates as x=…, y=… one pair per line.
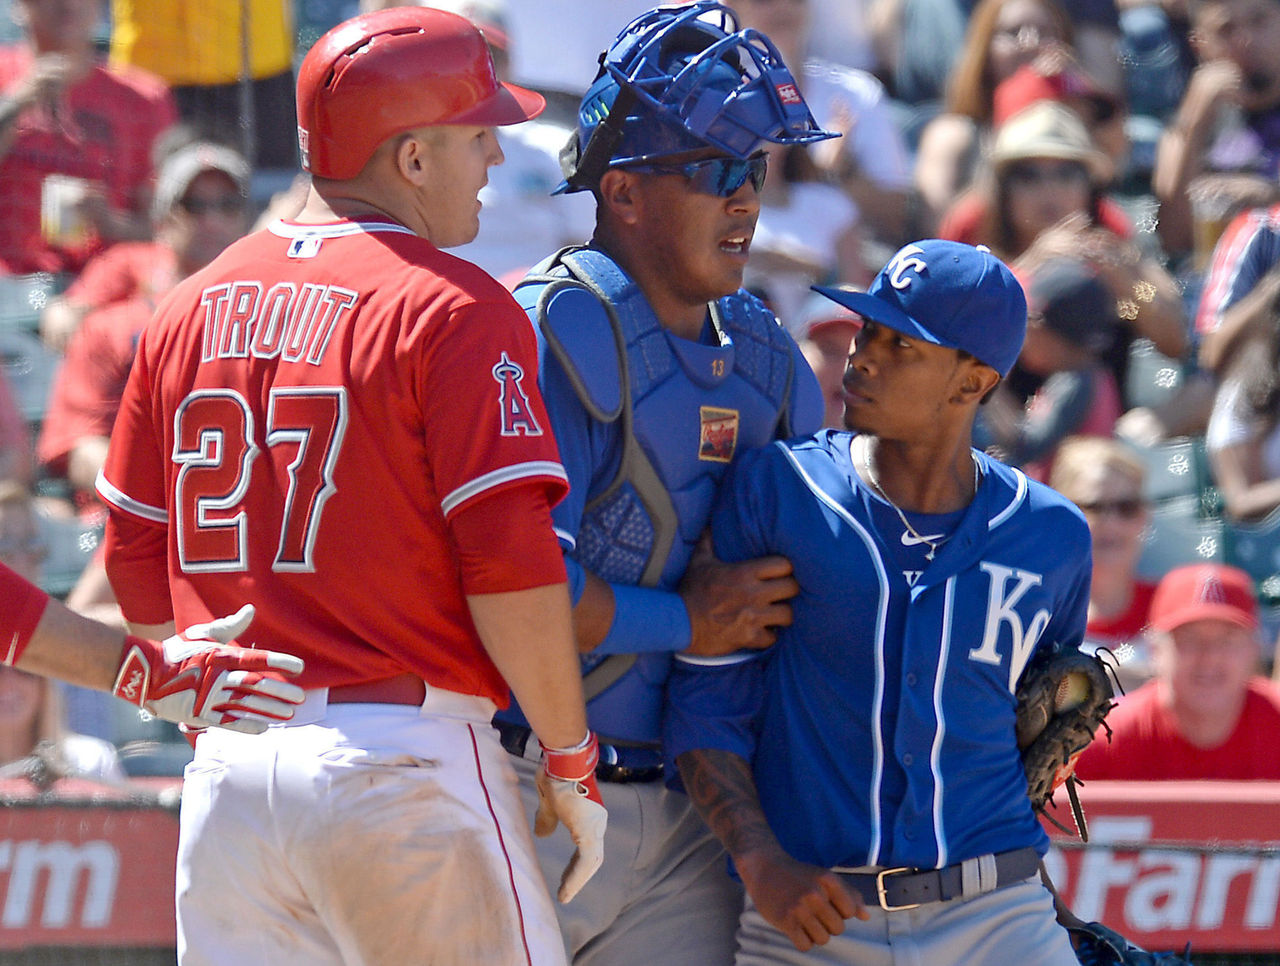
x=198, y=678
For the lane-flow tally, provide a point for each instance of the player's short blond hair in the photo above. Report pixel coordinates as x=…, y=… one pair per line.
x=1077, y=455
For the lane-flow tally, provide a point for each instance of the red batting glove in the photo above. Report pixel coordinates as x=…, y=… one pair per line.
x=199, y=678
x=568, y=793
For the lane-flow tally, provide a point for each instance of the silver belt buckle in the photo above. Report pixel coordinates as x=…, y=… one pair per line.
x=882, y=892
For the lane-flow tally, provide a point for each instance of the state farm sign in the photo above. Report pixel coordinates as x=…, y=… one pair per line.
x=51, y=876
x=1174, y=862
x=87, y=875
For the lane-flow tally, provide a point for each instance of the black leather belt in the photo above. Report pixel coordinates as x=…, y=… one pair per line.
x=618, y=763
x=907, y=888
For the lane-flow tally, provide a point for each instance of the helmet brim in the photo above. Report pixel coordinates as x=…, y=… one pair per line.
x=509, y=104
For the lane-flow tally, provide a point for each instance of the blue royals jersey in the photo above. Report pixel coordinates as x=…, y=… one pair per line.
x=880, y=727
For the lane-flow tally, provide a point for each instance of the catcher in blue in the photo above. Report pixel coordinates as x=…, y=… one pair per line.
x=864, y=773
x=658, y=371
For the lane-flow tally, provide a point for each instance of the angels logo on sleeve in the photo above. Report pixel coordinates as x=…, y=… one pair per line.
x=517, y=415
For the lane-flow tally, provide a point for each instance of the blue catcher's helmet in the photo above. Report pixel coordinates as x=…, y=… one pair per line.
x=679, y=79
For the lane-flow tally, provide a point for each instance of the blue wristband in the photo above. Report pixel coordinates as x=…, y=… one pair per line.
x=646, y=620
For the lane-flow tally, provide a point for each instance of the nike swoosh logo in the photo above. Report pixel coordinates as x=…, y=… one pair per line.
x=910, y=540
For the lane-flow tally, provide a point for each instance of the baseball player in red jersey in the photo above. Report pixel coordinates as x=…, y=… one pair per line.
x=341, y=423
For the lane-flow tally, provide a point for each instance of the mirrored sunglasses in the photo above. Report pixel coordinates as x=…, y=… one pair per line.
x=722, y=177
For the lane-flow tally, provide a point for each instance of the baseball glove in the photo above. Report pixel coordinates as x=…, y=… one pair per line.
x=1061, y=702
x=1096, y=945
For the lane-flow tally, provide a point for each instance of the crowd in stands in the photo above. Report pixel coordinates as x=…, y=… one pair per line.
x=1123, y=156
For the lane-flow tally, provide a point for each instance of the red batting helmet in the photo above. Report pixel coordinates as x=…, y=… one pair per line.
x=393, y=70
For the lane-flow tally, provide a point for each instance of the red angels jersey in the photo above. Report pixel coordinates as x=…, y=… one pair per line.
x=303, y=416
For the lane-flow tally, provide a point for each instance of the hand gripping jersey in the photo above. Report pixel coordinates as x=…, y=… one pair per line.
x=880, y=727
x=303, y=417
x=647, y=424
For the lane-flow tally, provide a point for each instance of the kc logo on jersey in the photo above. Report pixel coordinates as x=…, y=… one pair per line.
x=517, y=414
x=719, y=436
x=1007, y=587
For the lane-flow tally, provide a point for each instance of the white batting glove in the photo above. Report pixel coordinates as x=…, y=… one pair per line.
x=568, y=793
x=198, y=678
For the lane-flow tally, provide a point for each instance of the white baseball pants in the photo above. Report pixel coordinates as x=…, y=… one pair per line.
x=361, y=834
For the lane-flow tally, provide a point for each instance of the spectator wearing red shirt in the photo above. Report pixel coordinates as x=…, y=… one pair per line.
x=141, y=269
x=200, y=208
x=76, y=141
x=1207, y=714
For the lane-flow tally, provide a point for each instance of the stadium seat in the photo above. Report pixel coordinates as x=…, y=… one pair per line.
x=1176, y=468
x=30, y=366
x=23, y=298
x=71, y=544
x=1255, y=549
x=130, y=724
x=1152, y=378
x=147, y=758
x=1179, y=535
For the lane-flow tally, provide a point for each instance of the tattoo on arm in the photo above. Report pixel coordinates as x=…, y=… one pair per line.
x=722, y=788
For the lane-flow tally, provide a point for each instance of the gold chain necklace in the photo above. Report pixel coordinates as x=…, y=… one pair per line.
x=932, y=544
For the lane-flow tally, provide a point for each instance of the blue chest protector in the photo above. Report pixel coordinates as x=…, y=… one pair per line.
x=681, y=411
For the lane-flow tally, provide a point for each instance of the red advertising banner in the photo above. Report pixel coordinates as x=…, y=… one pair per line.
x=1169, y=863
x=1166, y=863
x=87, y=865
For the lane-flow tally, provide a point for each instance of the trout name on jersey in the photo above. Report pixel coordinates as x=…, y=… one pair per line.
x=289, y=320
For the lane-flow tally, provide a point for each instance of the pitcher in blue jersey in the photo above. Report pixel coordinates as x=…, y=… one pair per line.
x=658, y=371
x=863, y=772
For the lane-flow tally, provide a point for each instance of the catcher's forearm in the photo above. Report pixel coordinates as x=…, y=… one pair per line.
x=721, y=787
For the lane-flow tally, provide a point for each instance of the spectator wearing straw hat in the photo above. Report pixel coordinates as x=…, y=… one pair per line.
x=1045, y=199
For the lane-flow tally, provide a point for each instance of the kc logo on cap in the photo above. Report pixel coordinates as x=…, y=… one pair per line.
x=950, y=294
x=904, y=261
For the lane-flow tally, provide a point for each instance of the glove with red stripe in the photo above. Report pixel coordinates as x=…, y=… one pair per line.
x=198, y=678
x=568, y=793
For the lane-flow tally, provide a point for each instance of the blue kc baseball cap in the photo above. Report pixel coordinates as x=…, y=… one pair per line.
x=950, y=294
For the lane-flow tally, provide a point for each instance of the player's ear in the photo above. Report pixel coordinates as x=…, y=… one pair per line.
x=618, y=194
x=976, y=381
x=409, y=154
